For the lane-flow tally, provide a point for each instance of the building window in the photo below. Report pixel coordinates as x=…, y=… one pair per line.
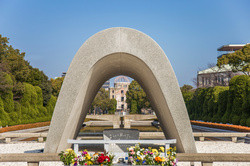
x=125, y=86
x=122, y=98
x=122, y=91
x=122, y=106
x=113, y=96
x=113, y=91
x=203, y=81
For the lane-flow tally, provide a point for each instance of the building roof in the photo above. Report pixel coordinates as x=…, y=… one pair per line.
x=231, y=47
x=216, y=69
x=121, y=79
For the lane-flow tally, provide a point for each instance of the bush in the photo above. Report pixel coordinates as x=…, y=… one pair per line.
x=222, y=104
x=51, y=105
x=236, y=120
x=4, y=117
x=248, y=122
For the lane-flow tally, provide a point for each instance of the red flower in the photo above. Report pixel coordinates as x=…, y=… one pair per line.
x=106, y=157
x=103, y=158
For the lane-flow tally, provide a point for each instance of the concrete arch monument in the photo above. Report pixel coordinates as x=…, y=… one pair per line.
x=112, y=52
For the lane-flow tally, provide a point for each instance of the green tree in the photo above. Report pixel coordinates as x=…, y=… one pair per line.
x=4, y=116
x=56, y=85
x=24, y=90
x=239, y=60
x=112, y=106
x=103, y=101
x=136, y=97
x=187, y=92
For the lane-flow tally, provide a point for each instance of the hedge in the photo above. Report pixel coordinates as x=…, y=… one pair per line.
x=222, y=104
x=29, y=109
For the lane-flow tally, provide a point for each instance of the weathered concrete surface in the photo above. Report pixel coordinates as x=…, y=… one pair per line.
x=112, y=52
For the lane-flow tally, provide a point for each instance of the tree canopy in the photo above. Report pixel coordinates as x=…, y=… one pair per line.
x=136, y=98
x=238, y=60
x=56, y=85
x=25, y=92
x=103, y=102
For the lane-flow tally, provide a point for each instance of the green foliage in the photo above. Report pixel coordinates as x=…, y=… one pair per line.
x=248, y=122
x=187, y=92
x=6, y=83
x=103, y=101
x=134, y=108
x=6, y=94
x=24, y=90
x=51, y=105
x=4, y=117
x=221, y=104
x=56, y=85
x=136, y=94
x=239, y=60
x=112, y=106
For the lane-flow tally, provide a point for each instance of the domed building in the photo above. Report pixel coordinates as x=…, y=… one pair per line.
x=119, y=91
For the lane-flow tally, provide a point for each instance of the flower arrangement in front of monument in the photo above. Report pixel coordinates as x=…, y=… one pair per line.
x=69, y=157
x=149, y=156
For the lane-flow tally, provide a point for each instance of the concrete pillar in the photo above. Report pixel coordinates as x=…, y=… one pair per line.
x=202, y=138
x=7, y=140
x=234, y=139
x=127, y=123
x=116, y=121
x=40, y=139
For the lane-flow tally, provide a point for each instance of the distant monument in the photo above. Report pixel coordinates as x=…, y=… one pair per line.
x=113, y=52
x=119, y=91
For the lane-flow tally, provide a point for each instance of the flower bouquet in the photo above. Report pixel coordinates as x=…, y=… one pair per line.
x=84, y=158
x=149, y=156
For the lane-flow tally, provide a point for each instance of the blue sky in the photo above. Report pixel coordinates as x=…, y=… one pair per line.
x=51, y=32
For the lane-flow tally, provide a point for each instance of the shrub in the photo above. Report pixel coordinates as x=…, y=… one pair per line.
x=51, y=105
x=236, y=120
x=4, y=117
x=248, y=122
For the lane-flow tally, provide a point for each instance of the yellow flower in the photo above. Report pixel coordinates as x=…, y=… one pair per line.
x=162, y=148
x=88, y=156
x=68, y=150
x=155, y=151
x=89, y=162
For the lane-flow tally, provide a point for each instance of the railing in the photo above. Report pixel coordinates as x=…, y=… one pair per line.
x=143, y=135
x=207, y=159
x=234, y=135
x=9, y=136
x=106, y=143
